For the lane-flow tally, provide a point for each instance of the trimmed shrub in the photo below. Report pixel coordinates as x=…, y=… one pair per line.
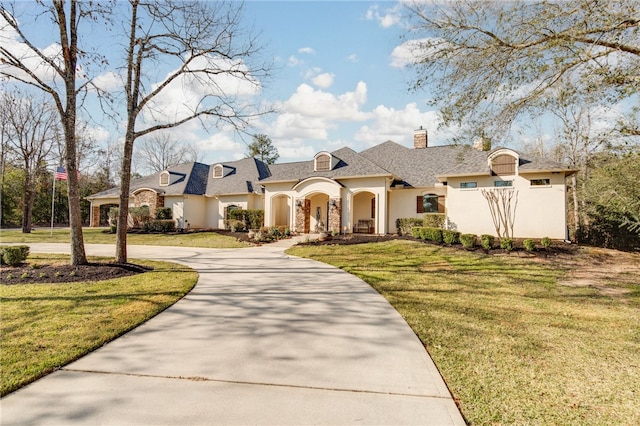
x=234, y=225
x=139, y=216
x=251, y=219
x=468, y=240
x=405, y=225
x=254, y=218
x=416, y=232
x=432, y=220
x=506, y=244
x=14, y=255
x=546, y=242
x=529, y=244
x=163, y=226
x=450, y=237
x=164, y=213
x=486, y=241
x=432, y=234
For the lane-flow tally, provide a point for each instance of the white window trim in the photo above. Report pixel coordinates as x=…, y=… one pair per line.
x=165, y=173
x=213, y=171
x=315, y=161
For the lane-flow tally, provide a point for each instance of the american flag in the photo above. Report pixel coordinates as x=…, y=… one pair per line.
x=61, y=173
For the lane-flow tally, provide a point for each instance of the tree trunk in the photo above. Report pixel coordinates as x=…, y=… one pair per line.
x=576, y=210
x=125, y=186
x=70, y=54
x=27, y=199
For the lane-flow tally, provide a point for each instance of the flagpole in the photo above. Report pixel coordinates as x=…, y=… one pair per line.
x=53, y=200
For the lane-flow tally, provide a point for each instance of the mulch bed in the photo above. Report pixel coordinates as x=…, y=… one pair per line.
x=28, y=274
x=558, y=248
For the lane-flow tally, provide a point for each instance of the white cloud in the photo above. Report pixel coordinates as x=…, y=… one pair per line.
x=10, y=40
x=108, y=81
x=294, y=62
x=386, y=18
x=353, y=58
x=406, y=53
x=307, y=50
x=196, y=91
x=324, y=80
x=316, y=103
x=309, y=115
x=398, y=125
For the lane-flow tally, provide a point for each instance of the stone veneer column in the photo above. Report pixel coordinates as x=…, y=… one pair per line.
x=335, y=215
x=95, y=216
x=303, y=221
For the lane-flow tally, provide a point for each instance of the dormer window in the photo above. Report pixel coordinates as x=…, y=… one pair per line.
x=164, y=178
x=504, y=162
x=322, y=162
x=217, y=171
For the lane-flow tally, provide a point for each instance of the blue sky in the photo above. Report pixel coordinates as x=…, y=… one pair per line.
x=337, y=56
x=340, y=79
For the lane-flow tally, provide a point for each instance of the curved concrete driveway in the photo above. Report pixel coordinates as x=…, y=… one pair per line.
x=263, y=338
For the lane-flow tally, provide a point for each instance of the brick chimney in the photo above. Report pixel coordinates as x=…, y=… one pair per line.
x=420, y=138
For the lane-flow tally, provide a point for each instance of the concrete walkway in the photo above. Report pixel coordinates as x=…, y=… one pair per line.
x=263, y=339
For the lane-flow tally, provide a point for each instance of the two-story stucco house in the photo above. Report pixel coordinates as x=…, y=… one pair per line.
x=346, y=191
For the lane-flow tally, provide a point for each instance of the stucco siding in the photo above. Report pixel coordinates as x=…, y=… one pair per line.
x=402, y=204
x=213, y=219
x=539, y=212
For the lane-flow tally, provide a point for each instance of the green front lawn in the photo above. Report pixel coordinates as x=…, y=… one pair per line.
x=98, y=236
x=46, y=326
x=514, y=344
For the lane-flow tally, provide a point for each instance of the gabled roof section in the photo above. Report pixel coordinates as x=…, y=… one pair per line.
x=346, y=164
x=186, y=179
x=245, y=178
x=480, y=164
x=420, y=167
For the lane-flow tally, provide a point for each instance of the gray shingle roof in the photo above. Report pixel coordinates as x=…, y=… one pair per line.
x=347, y=163
x=244, y=178
x=419, y=167
x=187, y=178
x=408, y=166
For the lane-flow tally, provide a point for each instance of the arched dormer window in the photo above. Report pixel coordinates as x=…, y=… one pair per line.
x=322, y=162
x=504, y=162
x=164, y=178
x=217, y=171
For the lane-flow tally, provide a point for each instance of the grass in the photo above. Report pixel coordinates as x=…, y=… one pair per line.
x=97, y=236
x=513, y=344
x=46, y=326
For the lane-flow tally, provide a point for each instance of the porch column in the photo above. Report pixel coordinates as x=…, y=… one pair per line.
x=95, y=216
x=303, y=220
x=335, y=215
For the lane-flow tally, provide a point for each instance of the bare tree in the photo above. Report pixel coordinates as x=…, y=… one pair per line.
x=486, y=62
x=25, y=65
x=160, y=151
x=503, y=203
x=31, y=128
x=213, y=60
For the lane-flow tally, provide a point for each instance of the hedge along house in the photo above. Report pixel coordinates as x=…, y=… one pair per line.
x=346, y=191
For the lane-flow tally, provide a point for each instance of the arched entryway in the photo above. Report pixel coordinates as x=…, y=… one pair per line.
x=364, y=212
x=281, y=206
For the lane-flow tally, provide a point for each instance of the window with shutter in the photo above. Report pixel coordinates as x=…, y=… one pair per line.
x=429, y=203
